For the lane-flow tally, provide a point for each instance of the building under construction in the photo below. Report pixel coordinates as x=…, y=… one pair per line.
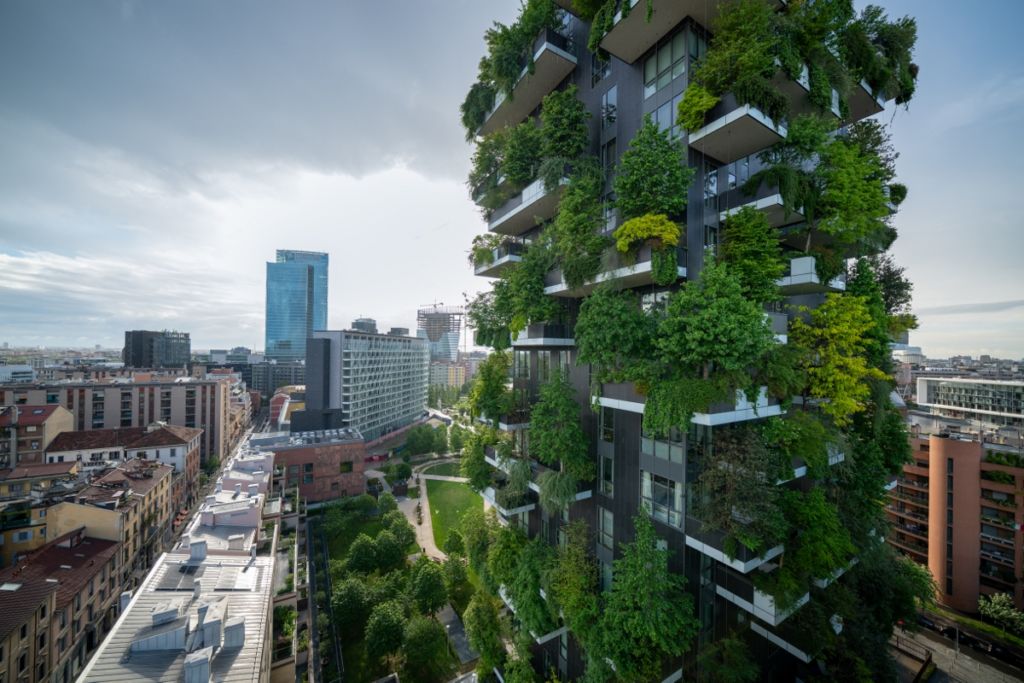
x=441, y=326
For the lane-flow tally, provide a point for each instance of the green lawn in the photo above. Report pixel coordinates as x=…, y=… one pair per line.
x=449, y=500
x=338, y=544
x=445, y=469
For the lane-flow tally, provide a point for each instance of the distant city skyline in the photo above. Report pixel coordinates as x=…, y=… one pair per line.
x=148, y=192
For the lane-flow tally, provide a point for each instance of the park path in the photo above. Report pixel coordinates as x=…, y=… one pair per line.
x=425, y=531
x=442, y=477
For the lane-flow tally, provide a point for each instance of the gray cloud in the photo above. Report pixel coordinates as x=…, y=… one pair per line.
x=963, y=309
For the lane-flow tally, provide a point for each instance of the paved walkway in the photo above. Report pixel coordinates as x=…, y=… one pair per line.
x=457, y=635
x=966, y=666
x=442, y=477
x=377, y=474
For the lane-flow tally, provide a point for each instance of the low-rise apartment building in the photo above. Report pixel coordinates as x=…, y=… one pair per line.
x=132, y=505
x=993, y=409
x=167, y=444
x=136, y=402
x=324, y=465
x=26, y=431
x=26, y=493
x=60, y=602
x=958, y=509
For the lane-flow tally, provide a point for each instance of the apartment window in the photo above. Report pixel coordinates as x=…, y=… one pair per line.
x=606, y=528
x=667, y=446
x=23, y=536
x=345, y=467
x=607, y=424
x=610, y=107
x=606, y=576
x=698, y=46
x=42, y=612
x=63, y=618
x=662, y=498
x=711, y=238
x=608, y=475
x=307, y=467
x=307, y=479
x=665, y=116
x=22, y=662
x=666, y=63
x=608, y=157
x=521, y=364
x=599, y=69
x=293, y=469
x=24, y=631
x=42, y=640
x=62, y=643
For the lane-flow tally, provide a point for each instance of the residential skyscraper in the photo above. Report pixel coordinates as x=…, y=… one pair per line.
x=296, y=302
x=658, y=275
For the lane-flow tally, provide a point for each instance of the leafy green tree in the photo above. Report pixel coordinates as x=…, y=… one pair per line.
x=478, y=529
x=614, y=334
x=556, y=434
x=652, y=177
x=751, y=250
x=521, y=291
x=428, y=586
x=385, y=630
x=738, y=491
x=647, y=614
x=999, y=608
x=473, y=466
x=455, y=574
x=362, y=554
x=519, y=669
x=489, y=318
x=522, y=154
x=490, y=395
x=396, y=522
x=386, y=503
x=864, y=284
x=456, y=438
x=350, y=605
x=504, y=554
x=441, y=440
x=420, y=439
x=564, y=133
x=425, y=650
x=854, y=206
x=532, y=611
x=727, y=660
x=578, y=243
x=390, y=555
x=453, y=544
x=483, y=630
x=799, y=435
x=833, y=346
x=574, y=583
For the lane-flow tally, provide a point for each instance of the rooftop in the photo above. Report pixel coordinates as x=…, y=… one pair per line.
x=56, y=469
x=278, y=440
x=28, y=415
x=138, y=476
x=192, y=605
x=154, y=436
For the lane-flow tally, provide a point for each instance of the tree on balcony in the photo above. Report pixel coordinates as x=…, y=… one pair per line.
x=727, y=660
x=738, y=494
x=652, y=176
x=564, y=135
x=647, y=615
x=751, y=250
x=880, y=52
x=472, y=465
x=483, y=630
x=574, y=583
x=557, y=440
x=576, y=231
x=614, y=335
x=489, y=395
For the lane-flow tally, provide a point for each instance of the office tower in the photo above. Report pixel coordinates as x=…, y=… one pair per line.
x=296, y=302
x=638, y=171
x=375, y=383
x=365, y=325
x=440, y=326
x=148, y=349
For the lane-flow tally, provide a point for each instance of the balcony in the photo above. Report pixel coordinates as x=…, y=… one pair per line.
x=992, y=538
x=999, y=573
x=544, y=334
x=798, y=93
x=493, y=496
x=632, y=36
x=910, y=544
x=501, y=258
x=740, y=411
x=542, y=639
x=735, y=131
x=994, y=555
x=740, y=591
x=864, y=104
x=712, y=544
x=917, y=530
x=552, y=62
x=585, y=489
x=527, y=209
x=510, y=422
x=625, y=270
x=912, y=498
x=802, y=278
x=768, y=201
x=906, y=513
x=779, y=322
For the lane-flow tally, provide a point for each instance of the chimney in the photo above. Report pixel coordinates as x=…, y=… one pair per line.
x=197, y=590
x=238, y=490
x=126, y=597
x=234, y=633
x=254, y=490
x=197, y=551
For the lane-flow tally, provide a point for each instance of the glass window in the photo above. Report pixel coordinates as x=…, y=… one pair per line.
x=665, y=64
x=606, y=524
x=668, y=446
x=608, y=424
x=610, y=107
x=521, y=364
x=608, y=475
x=346, y=467
x=606, y=576
x=599, y=68
x=662, y=498
x=608, y=158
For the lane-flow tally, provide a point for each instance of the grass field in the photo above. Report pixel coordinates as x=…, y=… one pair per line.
x=449, y=500
x=445, y=469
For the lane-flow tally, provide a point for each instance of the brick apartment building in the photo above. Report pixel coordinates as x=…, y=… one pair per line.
x=324, y=465
x=958, y=510
x=26, y=431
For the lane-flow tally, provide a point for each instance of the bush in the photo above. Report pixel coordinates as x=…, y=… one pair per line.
x=696, y=103
x=386, y=503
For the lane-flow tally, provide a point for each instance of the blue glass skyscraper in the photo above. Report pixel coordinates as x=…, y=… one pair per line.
x=296, y=302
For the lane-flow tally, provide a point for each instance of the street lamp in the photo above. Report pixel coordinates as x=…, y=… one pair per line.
x=448, y=637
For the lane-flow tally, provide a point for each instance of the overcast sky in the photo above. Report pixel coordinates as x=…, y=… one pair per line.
x=153, y=155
